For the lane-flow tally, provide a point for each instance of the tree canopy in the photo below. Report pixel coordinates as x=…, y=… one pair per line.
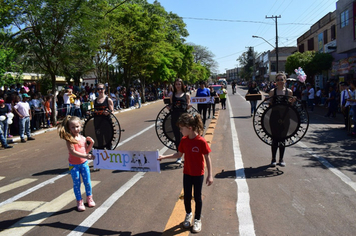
x=118, y=40
x=312, y=62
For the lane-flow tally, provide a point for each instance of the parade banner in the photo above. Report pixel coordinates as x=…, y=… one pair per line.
x=196, y=100
x=142, y=161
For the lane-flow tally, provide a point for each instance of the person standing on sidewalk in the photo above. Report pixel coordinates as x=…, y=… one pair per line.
x=351, y=101
x=332, y=102
x=345, y=108
x=23, y=110
x=311, y=97
x=4, y=111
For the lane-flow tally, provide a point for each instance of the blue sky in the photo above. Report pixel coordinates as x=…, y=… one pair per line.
x=228, y=25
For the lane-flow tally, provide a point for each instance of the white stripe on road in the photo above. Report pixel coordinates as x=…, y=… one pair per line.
x=41, y=213
x=332, y=168
x=100, y=211
x=28, y=191
x=244, y=215
x=17, y=184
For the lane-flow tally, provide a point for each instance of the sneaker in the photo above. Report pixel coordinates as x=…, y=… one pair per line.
x=273, y=163
x=213, y=117
x=80, y=205
x=7, y=146
x=282, y=163
x=30, y=138
x=23, y=140
x=90, y=201
x=187, y=220
x=196, y=226
x=179, y=161
x=10, y=136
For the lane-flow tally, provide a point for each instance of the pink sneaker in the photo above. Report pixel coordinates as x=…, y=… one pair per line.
x=80, y=205
x=10, y=136
x=90, y=201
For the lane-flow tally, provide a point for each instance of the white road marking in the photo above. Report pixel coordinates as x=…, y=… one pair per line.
x=244, y=215
x=17, y=184
x=40, y=214
x=100, y=211
x=21, y=206
x=332, y=168
x=28, y=191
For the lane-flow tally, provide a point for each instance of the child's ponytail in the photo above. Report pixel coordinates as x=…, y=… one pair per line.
x=199, y=126
x=188, y=120
x=64, y=131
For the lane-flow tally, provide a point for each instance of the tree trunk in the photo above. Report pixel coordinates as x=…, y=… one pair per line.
x=54, y=100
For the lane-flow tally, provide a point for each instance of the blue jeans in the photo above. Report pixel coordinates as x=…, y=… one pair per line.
x=3, y=128
x=67, y=109
x=24, y=126
x=80, y=170
x=253, y=106
x=311, y=104
x=78, y=112
x=139, y=102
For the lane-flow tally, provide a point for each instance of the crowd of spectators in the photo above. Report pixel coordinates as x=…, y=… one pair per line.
x=24, y=109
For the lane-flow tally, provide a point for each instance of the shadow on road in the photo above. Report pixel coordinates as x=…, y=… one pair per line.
x=251, y=173
x=170, y=166
x=52, y=172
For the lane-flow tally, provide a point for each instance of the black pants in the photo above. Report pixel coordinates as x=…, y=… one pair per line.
x=211, y=105
x=203, y=108
x=177, y=135
x=223, y=103
x=275, y=145
x=190, y=182
x=346, y=112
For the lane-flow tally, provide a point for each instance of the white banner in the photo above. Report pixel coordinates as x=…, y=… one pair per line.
x=196, y=100
x=143, y=161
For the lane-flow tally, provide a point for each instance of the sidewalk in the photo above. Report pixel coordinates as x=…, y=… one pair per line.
x=16, y=138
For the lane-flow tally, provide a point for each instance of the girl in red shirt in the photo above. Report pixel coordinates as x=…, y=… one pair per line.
x=196, y=154
x=78, y=148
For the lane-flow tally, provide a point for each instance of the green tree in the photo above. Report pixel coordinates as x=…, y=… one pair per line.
x=312, y=62
x=246, y=60
x=47, y=30
x=297, y=60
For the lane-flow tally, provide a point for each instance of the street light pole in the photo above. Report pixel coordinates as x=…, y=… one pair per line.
x=254, y=36
x=276, y=17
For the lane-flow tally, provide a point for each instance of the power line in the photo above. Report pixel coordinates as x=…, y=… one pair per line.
x=242, y=21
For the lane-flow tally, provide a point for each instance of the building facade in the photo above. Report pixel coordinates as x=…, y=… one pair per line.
x=321, y=37
x=344, y=65
x=232, y=75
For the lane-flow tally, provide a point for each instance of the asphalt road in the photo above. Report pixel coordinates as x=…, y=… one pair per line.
x=313, y=195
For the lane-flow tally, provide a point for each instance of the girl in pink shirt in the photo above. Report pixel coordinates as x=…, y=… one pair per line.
x=78, y=148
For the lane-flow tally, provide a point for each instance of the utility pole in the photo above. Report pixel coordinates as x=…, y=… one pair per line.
x=275, y=17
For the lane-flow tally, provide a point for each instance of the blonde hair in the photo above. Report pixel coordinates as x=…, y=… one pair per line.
x=281, y=74
x=64, y=130
x=188, y=120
